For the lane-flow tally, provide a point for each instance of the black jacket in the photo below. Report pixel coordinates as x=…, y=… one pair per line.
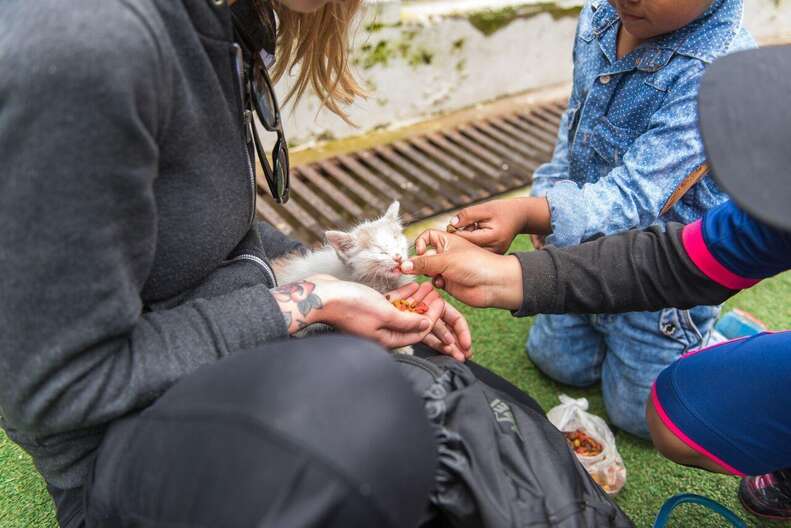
x=638, y=270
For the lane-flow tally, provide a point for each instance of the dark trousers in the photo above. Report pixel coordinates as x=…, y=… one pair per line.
x=321, y=431
x=316, y=432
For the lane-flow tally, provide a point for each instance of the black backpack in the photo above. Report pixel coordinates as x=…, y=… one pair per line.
x=501, y=463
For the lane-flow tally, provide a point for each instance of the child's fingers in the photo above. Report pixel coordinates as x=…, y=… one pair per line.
x=430, y=238
x=479, y=237
x=470, y=215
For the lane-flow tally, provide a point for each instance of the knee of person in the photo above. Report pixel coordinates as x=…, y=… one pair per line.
x=666, y=442
x=559, y=366
x=629, y=418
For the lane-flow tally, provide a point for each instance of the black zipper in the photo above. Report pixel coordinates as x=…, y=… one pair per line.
x=247, y=122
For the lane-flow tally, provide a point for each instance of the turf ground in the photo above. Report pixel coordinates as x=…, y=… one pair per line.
x=499, y=341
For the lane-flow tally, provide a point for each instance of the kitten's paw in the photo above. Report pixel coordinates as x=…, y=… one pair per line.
x=408, y=350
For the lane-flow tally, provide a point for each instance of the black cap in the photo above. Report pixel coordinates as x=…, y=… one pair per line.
x=745, y=121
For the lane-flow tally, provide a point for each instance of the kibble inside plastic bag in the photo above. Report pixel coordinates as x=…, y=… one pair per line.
x=606, y=468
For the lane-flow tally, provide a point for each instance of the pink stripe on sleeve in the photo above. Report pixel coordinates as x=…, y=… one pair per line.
x=696, y=248
x=660, y=411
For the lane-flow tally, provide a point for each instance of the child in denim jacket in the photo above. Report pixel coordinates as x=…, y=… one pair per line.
x=626, y=142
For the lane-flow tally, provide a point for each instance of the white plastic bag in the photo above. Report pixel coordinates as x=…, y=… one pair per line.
x=607, y=467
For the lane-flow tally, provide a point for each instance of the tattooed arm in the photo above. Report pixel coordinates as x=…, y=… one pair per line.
x=299, y=303
x=355, y=309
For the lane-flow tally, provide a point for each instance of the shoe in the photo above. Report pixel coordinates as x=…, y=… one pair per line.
x=767, y=495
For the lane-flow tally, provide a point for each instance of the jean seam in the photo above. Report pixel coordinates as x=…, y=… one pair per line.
x=691, y=326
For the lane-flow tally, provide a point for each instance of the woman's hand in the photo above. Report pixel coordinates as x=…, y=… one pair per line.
x=355, y=309
x=471, y=274
x=451, y=333
x=493, y=225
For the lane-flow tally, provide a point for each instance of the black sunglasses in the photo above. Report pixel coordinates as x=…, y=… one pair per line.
x=260, y=95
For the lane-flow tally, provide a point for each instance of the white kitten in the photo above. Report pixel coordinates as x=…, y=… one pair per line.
x=370, y=253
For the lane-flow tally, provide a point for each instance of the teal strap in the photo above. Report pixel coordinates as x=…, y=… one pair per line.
x=673, y=502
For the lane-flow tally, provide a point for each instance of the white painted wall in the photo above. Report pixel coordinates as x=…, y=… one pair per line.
x=466, y=67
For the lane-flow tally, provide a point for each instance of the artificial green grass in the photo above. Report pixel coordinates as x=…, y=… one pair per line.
x=499, y=343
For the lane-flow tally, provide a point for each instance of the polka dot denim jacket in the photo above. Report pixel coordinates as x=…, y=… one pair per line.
x=629, y=136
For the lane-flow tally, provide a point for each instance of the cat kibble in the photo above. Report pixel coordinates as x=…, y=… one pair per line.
x=407, y=306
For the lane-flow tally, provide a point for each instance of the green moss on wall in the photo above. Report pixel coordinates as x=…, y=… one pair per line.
x=421, y=57
x=375, y=26
x=490, y=21
x=373, y=54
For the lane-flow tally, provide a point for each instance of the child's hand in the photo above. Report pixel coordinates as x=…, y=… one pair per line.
x=538, y=241
x=493, y=225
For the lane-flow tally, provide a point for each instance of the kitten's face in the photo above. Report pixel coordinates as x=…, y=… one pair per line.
x=373, y=250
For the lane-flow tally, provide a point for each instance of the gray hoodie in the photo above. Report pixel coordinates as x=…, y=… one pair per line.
x=128, y=257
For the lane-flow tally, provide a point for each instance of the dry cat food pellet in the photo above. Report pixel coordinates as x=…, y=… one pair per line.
x=582, y=444
x=451, y=229
x=598, y=479
x=406, y=306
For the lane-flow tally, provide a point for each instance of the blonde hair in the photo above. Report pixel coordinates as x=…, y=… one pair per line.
x=319, y=43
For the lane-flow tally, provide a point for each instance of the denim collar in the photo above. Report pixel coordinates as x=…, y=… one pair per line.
x=720, y=25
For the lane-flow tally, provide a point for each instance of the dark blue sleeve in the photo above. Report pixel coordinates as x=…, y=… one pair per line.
x=734, y=249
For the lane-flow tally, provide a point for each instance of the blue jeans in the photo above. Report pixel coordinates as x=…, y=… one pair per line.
x=626, y=352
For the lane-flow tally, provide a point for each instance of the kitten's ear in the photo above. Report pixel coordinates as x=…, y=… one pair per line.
x=392, y=211
x=342, y=242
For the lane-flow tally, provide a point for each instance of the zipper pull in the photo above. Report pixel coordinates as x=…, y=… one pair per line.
x=247, y=116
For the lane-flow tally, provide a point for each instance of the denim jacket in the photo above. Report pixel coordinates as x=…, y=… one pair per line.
x=629, y=136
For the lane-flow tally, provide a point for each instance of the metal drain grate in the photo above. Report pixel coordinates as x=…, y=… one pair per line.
x=429, y=174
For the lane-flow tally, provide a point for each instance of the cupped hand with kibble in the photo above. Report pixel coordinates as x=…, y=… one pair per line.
x=356, y=309
x=450, y=334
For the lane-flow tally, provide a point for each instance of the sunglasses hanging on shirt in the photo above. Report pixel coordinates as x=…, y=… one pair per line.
x=256, y=32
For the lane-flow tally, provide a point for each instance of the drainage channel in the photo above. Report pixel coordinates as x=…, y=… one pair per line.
x=429, y=174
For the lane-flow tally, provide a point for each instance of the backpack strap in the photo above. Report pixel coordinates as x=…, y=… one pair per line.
x=673, y=502
x=694, y=177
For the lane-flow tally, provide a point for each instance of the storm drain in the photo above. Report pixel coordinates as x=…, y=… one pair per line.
x=429, y=174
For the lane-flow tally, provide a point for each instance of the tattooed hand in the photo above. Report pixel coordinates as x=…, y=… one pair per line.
x=297, y=301
x=352, y=308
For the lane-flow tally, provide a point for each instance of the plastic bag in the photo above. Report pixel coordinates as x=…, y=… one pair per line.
x=606, y=467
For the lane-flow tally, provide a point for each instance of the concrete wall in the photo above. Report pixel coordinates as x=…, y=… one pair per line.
x=426, y=57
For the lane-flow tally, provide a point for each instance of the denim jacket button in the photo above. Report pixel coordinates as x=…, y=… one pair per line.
x=604, y=79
